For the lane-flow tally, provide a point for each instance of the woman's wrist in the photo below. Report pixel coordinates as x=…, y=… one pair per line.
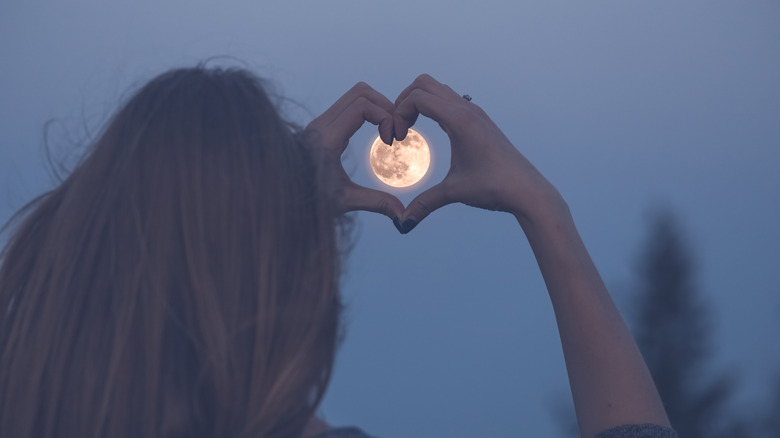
x=544, y=206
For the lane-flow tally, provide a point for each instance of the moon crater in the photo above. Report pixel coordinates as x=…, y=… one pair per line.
x=402, y=164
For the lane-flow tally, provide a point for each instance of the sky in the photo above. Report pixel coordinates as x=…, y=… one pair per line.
x=626, y=107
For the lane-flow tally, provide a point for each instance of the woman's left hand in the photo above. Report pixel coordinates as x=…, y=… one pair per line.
x=327, y=137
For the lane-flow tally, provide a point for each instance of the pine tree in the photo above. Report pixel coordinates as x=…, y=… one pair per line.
x=673, y=330
x=771, y=423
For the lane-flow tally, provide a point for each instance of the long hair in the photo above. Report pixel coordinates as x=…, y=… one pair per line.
x=182, y=281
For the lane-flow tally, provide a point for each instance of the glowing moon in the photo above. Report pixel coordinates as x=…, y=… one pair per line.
x=402, y=164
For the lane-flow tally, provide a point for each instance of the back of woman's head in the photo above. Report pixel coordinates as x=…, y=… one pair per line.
x=181, y=281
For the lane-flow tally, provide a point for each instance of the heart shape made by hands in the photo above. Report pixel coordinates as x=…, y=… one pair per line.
x=486, y=170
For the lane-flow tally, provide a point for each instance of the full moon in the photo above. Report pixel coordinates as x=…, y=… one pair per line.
x=402, y=164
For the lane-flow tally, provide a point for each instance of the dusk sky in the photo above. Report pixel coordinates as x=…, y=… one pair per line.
x=626, y=107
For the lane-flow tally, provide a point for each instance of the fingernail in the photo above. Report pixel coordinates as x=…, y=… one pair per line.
x=397, y=224
x=408, y=225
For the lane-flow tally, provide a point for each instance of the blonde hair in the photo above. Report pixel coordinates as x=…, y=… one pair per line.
x=182, y=281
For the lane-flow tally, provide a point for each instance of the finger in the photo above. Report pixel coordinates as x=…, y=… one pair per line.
x=361, y=89
x=431, y=85
x=420, y=102
x=357, y=197
x=424, y=204
x=353, y=117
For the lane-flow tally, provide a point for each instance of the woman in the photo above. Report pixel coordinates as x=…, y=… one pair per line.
x=183, y=280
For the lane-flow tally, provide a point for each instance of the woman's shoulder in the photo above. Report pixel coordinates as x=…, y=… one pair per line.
x=627, y=431
x=343, y=432
x=638, y=431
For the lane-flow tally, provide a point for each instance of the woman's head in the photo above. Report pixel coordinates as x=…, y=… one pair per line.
x=181, y=281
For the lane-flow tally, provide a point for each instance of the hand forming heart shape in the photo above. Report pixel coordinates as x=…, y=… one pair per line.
x=486, y=170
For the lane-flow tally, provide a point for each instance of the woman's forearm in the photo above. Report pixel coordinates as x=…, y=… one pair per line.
x=610, y=382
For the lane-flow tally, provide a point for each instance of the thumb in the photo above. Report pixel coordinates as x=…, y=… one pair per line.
x=424, y=204
x=357, y=197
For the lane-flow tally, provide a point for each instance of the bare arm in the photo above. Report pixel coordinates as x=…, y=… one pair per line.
x=609, y=380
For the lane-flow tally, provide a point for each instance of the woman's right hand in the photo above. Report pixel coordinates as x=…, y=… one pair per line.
x=609, y=380
x=486, y=170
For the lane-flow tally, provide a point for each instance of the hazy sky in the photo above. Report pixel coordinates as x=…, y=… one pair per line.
x=625, y=106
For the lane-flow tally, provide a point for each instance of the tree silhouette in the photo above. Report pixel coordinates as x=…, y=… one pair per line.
x=771, y=423
x=673, y=330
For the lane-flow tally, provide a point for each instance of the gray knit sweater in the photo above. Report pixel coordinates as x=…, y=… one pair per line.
x=627, y=431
